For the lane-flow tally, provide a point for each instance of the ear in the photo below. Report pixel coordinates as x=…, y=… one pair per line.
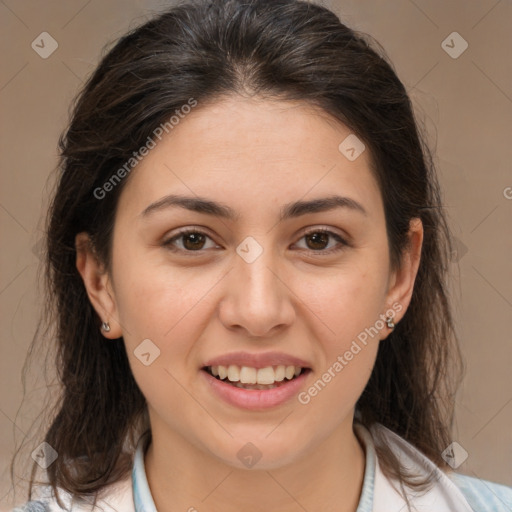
x=97, y=284
x=401, y=281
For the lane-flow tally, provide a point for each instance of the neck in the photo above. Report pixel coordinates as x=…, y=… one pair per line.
x=328, y=477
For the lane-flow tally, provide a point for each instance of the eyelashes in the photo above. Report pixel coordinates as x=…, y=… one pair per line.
x=182, y=234
x=325, y=234
x=198, y=237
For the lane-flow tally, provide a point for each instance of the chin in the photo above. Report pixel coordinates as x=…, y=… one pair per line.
x=258, y=454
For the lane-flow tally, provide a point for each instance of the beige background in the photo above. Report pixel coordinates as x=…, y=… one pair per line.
x=466, y=104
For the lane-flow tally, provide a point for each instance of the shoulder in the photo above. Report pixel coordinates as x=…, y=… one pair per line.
x=32, y=506
x=483, y=494
x=450, y=491
x=113, y=499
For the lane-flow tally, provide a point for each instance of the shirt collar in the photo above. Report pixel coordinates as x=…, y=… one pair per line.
x=143, y=500
x=365, y=437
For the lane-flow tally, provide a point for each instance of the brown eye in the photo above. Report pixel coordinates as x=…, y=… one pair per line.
x=318, y=241
x=192, y=241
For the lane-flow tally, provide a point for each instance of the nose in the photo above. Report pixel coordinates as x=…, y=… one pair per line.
x=258, y=299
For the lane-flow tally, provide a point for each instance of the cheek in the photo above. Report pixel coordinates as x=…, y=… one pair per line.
x=347, y=301
x=348, y=355
x=337, y=389
x=165, y=309
x=353, y=302
x=150, y=294
x=167, y=306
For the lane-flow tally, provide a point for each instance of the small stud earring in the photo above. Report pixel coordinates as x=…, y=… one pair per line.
x=105, y=326
x=390, y=323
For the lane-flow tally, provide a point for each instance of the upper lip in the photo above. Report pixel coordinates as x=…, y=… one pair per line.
x=254, y=360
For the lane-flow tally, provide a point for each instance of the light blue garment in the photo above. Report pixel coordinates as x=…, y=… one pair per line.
x=480, y=495
x=483, y=495
x=141, y=494
x=33, y=506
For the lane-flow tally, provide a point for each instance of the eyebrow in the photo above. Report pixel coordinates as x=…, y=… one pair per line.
x=288, y=211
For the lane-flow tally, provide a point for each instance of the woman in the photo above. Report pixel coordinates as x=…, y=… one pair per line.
x=247, y=258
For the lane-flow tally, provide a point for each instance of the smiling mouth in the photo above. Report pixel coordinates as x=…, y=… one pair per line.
x=255, y=378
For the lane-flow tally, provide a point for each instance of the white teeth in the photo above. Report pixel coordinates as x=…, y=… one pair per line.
x=248, y=375
x=266, y=375
x=290, y=372
x=233, y=373
x=280, y=373
x=223, y=372
x=257, y=376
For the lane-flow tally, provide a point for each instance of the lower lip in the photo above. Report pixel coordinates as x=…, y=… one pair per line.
x=255, y=399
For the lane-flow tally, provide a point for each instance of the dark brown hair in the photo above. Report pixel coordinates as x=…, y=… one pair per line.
x=277, y=49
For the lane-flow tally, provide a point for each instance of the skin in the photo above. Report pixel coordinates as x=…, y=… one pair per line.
x=253, y=155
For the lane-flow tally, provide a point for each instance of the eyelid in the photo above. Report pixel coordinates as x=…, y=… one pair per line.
x=325, y=229
x=342, y=239
x=182, y=232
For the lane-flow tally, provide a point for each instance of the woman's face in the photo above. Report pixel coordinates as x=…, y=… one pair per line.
x=261, y=287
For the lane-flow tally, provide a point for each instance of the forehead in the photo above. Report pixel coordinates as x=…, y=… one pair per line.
x=252, y=152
